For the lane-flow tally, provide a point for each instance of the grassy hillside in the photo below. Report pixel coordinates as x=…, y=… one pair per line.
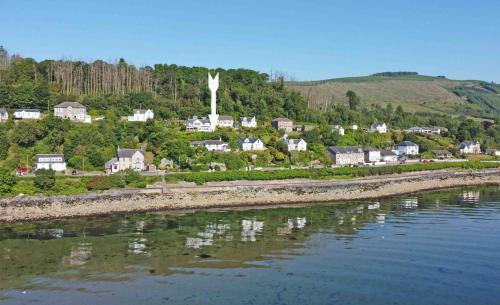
x=416, y=93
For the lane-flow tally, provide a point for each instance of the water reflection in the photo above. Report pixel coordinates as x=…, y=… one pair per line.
x=470, y=197
x=377, y=235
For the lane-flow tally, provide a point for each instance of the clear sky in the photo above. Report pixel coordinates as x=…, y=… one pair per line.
x=307, y=39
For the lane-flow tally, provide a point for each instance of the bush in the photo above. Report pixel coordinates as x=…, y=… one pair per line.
x=117, y=180
x=99, y=183
x=45, y=179
x=133, y=177
x=7, y=181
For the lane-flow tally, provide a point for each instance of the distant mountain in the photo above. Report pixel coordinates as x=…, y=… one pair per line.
x=416, y=93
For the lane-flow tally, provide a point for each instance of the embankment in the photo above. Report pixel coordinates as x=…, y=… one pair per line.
x=238, y=194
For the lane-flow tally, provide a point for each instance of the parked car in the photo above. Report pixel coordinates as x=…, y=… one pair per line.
x=22, y=171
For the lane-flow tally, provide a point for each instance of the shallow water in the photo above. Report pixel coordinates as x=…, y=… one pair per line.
x=435, y=248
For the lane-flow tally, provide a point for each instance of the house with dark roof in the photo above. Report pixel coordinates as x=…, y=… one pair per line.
x=442, y=154
x=248, y=144
x=55, y=162
x=197, y=124
x=388, y=156
x=295, y=144
x=470, y=147
x=378, y=127
x=27, y=114
x=212, y=145
x=72, y=111
x=126, y=159
x=350, y=155
x=407, y=148
x=249, y=122
x=372, y=154
x=225, y=121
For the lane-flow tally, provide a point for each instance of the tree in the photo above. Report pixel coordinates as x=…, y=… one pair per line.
x=7, y=181
x=45, y=179
x=353, y=99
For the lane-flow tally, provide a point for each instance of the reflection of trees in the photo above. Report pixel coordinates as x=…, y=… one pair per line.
x=113, y=245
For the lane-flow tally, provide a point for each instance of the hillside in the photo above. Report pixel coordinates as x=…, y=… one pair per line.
x=416, y=93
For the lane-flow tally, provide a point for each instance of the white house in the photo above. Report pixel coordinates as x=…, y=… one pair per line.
x=196, y=124
x=251, y=144
x=212, y=145
x=424, y=130
x=295, y=144
x=248, y=122
x=470, y=147
x=4, y=115
x=141, y=115
x=407, y=148
x=73, y=111
x=225, y=121
x=27, y=114
x=125, y=159
x=372, y=155
x=380, y=128
x=354, y=127
x=388, y=156
x=493, y=152
x=55, y=162
x=339, y=129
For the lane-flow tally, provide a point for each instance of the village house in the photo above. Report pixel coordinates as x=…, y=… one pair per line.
x=4, y=115
x=407, y=148
x=493, y=152
x=388, y=156
x=27, y=114
x=372, y=155
x=125, y=159
x=225, y=121
x=470, y=147
x=424, y=130
x=346, y=155
x=283, y=123
x=248, y=144
x=212, y=145
x=73, y=111
x=295, y=144
x=354, y=127
x=339, y=129
x=196, y=124
x=55, y=162
x=249, y=122
x=140, y=115
x=442, y=154
x=380, y=128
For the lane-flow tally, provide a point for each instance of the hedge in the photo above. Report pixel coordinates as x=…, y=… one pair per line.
x=324, y=173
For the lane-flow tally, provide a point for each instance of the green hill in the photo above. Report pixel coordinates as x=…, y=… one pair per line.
x=416, y=93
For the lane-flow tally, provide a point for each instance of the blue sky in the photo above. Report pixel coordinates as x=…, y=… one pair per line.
x=306, y=39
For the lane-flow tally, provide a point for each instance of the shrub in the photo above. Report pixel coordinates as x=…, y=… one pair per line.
x=117, y=180
x=45, y=179
x=7, y=181
x=99, y=183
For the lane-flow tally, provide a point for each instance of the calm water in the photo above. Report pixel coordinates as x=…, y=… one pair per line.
x=436, y=248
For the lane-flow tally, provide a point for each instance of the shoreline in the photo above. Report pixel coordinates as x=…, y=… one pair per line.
x=238, y=194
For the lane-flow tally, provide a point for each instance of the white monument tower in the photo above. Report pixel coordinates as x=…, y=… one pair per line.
x=213, y=85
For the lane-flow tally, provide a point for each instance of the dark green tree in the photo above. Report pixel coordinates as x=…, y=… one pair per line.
x=45, y=179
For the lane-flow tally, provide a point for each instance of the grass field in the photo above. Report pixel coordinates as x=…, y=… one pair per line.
x=416, y=93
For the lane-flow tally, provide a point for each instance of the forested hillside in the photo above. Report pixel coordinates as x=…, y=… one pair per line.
x=177, y=93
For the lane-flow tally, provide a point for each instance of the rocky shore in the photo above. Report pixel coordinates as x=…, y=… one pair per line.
x=238, y=194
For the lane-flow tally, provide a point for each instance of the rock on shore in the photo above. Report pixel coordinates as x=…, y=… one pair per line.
x=238, y=194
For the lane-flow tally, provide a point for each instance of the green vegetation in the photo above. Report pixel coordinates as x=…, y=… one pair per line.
x=175, y=93
x=7, y=182
x=352, y=172
x=416, y=93
x=45, y=179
